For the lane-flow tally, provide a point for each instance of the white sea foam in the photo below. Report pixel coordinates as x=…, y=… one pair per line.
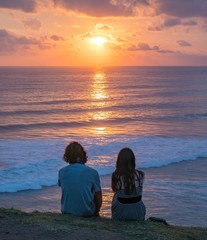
x=32, y=164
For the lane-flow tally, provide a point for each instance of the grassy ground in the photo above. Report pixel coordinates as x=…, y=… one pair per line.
x=15, y=224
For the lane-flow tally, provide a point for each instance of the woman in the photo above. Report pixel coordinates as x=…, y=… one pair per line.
x=127, y=184
x=80, y=184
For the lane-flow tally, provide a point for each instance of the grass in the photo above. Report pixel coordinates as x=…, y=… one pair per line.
x=140, y=230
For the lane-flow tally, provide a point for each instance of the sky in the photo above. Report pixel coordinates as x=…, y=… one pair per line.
x=103, y=32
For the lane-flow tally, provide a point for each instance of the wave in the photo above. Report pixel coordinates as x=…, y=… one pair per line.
x=41, y=125
x=40, y=112
x=34, y=163
x=47, y=125
x=50, y=102
x=95, y=122
x=196, y=115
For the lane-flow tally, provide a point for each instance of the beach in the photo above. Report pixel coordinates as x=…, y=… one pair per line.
x=180, y=205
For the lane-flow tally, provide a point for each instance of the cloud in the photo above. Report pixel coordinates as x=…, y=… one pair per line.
x=182, y=8
x=103, y=27
x=184, y=43
x=140, y=47
x=190, y=23
x=24, y=5
x=155, y=28
x=99, y=29
x=204, y=26
x=102, y=8
x=11, y=43
x=172, y=22
x=32, y=23
x=76, y=26
x=146, y=47
x=56, y=38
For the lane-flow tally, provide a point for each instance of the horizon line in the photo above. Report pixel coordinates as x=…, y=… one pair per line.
x=77, y=66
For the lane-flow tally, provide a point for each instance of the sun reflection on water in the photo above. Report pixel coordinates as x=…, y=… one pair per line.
x=99, y=101
x=99, y=130
x=98, y=86
x=99, y=96
x=100, y=115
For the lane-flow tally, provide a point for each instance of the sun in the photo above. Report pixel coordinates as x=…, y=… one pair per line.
x=99, y=41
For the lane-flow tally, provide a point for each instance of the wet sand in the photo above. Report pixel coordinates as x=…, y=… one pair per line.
x=176, y=192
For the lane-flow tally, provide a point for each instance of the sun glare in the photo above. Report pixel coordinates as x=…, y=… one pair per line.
x=98, y=40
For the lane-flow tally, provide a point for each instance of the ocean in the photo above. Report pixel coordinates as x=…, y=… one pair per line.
x=159, y=112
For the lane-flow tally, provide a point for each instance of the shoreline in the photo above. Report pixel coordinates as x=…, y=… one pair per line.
x=166, y=194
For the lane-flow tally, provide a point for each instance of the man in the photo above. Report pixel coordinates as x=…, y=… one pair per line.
x=80, y=184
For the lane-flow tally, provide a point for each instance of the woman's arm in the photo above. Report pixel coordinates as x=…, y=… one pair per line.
x=113, y=183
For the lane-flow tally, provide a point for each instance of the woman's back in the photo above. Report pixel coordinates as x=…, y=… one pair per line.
x=127, y=184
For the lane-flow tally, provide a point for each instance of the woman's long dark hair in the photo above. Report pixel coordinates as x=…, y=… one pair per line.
x=125, y=175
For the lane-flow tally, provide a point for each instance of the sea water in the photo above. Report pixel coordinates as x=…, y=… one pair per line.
x=159, y=112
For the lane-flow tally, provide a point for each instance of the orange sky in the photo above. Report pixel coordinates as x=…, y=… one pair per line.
x=134, y=32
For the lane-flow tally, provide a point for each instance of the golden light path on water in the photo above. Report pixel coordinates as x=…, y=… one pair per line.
x=99, y=97
x=101, y=111
x=98, y=88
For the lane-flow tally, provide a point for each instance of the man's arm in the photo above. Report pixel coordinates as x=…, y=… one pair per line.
x=98, y=202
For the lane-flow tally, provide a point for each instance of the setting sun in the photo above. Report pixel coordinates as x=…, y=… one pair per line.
x=98, y=40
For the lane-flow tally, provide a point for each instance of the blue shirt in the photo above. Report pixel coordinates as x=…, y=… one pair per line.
x=78, y=184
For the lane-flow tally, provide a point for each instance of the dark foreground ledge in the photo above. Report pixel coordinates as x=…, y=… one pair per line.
x=18, y=225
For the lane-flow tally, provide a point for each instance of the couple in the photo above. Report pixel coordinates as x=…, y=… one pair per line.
x=81, y=190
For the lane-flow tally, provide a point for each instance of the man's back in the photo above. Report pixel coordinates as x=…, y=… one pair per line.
x=79, y=184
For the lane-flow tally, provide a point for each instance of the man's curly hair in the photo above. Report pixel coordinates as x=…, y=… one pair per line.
x=75, y=153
